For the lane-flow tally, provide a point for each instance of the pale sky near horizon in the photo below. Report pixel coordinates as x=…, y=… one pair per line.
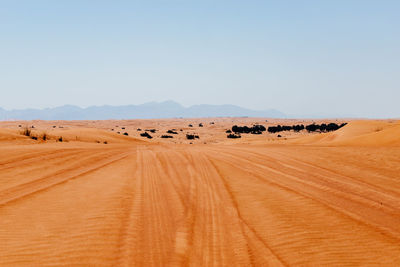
x=299, y=57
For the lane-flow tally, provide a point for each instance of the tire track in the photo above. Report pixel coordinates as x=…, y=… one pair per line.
x=33, y=187
x=248, y=231
x=354, y=210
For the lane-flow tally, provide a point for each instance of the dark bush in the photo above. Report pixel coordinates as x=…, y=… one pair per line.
x=190, y=125
x=26, y=132
x=260, y=128
x=228, y=131
x=171, y=132
x=200, y=125
x=234, y=136
x=192, y=136
x=324, y=127
x=298, y=128
x=167, y=136
x=312, y=127
x=146, y=134
x=255, y=129
x=125, y=133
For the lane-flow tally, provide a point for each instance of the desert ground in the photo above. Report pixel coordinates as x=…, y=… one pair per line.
x=91, y=195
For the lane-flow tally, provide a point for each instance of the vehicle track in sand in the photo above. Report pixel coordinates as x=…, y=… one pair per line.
x=204, y=205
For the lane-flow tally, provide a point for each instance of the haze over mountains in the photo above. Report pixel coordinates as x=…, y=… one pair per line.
x=151, y=110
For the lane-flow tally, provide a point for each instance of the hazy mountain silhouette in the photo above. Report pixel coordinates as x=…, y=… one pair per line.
x=151, y=110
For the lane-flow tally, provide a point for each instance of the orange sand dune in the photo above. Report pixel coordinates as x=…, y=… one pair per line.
x=247, y=202
x=12, y=136
x=92, y=135
x=358, y=133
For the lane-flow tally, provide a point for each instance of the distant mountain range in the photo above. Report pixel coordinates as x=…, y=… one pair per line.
x=152, y=110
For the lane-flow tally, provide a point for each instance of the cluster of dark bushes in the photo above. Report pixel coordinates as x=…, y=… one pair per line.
x=310, y=128
x=281, y=128
x=234, y=136
x=28, y=132
x=146, y=134
x=192, y=136
x=172, y=132
x=324, y=127
x=255, y=129
x=167, y=136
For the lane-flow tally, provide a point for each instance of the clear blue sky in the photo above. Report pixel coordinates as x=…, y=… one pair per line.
x=300, y=57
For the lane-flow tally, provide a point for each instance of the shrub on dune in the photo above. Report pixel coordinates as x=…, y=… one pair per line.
x=172, y=132
x=192, y=136
x=146, y=134
x=26, y=132
x=234, y=136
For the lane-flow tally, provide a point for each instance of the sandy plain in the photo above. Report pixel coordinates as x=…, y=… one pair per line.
x=298, y=200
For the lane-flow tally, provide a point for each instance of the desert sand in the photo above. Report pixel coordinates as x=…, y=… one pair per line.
x=99, y=198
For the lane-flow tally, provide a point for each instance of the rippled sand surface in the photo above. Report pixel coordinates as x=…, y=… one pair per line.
x=325, y=199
